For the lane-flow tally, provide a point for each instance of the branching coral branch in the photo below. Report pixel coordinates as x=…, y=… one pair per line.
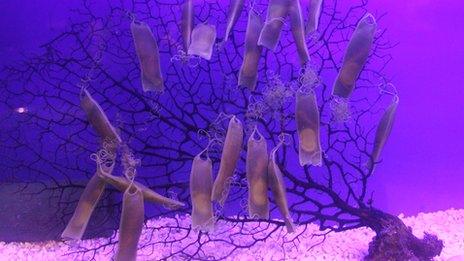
x=52, y=141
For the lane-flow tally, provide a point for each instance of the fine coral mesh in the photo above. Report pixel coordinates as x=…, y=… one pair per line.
x=51, y=142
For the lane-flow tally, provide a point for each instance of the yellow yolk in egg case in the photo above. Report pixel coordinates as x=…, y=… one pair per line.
x=308, y=139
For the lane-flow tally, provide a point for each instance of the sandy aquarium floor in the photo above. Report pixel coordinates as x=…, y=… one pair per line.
x=350, y=245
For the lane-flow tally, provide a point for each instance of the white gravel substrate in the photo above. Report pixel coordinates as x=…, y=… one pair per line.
x=349, y=245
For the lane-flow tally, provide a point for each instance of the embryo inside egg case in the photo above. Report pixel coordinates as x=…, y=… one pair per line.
x=136, y=102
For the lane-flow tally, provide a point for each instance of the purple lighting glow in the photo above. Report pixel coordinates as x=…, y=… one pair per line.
x=100, y=122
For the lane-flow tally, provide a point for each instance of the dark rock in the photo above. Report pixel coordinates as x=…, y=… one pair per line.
x=395, y=242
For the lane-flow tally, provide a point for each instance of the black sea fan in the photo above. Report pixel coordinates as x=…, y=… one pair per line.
x=55, y=140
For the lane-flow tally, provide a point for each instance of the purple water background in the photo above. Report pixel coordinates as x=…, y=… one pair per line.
x=423, y=166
